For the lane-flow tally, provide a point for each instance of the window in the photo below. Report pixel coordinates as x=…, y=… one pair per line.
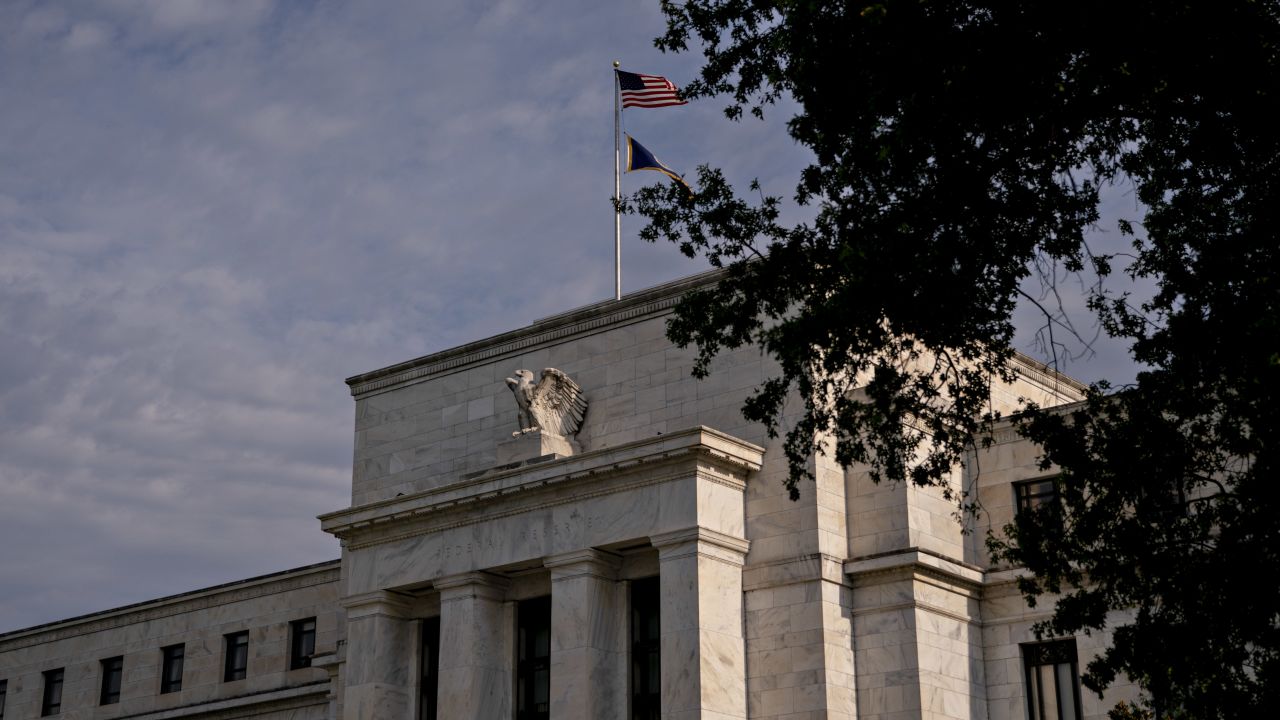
x=112, y=669
x=533, y=659
x=52, y=702
x=171, y=668
x=4, y=690
x=1053, y=682
x=646, y=675
x=235, y=656
x=1033, y=494
x=302, y=643
x=429, y=683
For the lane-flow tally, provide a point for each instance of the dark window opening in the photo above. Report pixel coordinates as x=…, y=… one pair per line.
x=51, y=704
x=430, y=680
x=1053, y=680
x=302, y=643
x=171, y=668
x=112, y=670
x=4, y=690
x=646, y=670
x=1034, y=494
x=236, y=653
x=533, y=659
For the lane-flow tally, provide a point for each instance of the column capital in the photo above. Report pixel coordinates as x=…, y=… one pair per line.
x=471, y=584
x=588, y=561
x=378, y=602
x=698, y=540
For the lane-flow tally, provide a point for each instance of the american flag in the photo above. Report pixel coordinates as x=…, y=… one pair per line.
x=650, y=91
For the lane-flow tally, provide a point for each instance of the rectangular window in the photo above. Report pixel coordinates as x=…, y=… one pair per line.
x=302, y=643
x=430, y=680
x=51, y=704
x=4, y=690
x=112, y=670
x=646, y=675
x=171, y=668
x=1032, y=494
x=235, y=656
x=1053, y=680
x=533, y=659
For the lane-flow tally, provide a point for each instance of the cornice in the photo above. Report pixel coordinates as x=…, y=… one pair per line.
x=708, y=454
x=1036, y=371
x=557, y=328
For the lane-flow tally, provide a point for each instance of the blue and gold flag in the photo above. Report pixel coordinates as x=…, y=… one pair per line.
x=639, y=158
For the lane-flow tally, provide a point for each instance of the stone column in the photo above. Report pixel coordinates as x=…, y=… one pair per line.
x=703, y=654
x=380, y=656
x=475, y=648
x=588, y=636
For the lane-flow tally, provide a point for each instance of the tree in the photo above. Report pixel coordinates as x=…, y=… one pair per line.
x=959, y=148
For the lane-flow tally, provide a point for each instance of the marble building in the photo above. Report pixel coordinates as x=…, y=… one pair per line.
x=644, y=562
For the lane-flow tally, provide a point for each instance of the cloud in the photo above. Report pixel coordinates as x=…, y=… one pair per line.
x=295, y=129
x=87, y=36
x=213, y=212
x=188, y=15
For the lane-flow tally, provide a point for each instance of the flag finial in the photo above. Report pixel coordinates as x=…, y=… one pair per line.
x=616, y=64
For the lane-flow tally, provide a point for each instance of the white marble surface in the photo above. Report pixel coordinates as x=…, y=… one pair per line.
x=588, y=637
x=379, y=676
x=476, y=650
x=702, y=651
x=425, y=432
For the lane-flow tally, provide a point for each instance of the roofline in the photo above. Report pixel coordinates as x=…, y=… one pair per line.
x=555, y=328
x=632, y=307
x=211, y=590
x=1047, y=370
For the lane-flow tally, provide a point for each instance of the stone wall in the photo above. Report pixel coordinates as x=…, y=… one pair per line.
x=425, y=423
x=263, y=606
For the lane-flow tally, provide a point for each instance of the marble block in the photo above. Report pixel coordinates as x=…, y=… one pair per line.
x=535, y=444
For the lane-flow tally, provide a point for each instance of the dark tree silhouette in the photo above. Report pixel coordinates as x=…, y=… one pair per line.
x=959, y=146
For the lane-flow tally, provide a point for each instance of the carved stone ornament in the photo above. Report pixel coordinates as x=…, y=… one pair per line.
x=554, y=405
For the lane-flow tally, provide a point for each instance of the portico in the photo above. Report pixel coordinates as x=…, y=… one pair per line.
x=591, y=523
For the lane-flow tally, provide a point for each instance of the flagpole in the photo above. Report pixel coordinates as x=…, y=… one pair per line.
x=617, y=184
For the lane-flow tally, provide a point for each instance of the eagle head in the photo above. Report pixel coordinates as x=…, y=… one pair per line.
x=522, y=386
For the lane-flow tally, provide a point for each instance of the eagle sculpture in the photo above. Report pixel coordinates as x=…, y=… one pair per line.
x=554, y=405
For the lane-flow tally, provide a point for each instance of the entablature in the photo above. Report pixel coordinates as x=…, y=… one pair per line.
x=700, y=451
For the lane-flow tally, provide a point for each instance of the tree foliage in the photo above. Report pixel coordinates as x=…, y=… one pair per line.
x=959, y=147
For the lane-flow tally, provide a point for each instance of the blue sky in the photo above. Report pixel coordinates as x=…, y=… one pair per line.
x=213, y=212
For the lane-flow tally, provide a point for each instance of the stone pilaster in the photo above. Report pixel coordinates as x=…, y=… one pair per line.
x=918, y=637
x=588, y=636
x=703, y=655
x=475, y=648
x=380, y=656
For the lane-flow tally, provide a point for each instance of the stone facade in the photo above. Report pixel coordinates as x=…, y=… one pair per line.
x=856, y=601
x=199, y=621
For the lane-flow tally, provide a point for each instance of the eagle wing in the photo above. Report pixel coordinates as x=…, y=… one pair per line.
x=558, y=405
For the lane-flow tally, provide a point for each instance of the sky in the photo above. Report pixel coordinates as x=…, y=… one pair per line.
x=211, y=213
